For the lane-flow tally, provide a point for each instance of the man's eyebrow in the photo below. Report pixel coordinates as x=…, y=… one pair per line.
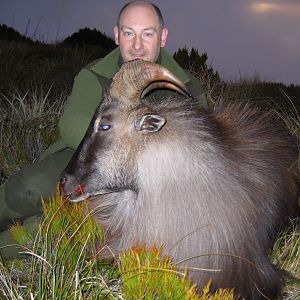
x=150, y=28
x=130, y=28
x=125, y=27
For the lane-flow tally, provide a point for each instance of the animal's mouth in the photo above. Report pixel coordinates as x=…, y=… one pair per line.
x=74, y=194
x=80, y=194
x=77, y=198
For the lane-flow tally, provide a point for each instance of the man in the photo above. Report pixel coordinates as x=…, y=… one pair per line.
x=140, y=34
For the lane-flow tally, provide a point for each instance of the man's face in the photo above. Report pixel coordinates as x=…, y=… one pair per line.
x=139, y=35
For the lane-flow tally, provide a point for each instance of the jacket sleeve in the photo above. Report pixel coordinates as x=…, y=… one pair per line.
x=197, y=90
x=86, y=95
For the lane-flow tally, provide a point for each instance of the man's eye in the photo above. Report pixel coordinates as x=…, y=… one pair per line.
x=148, y=34
x=104, y=127
x=128, y=33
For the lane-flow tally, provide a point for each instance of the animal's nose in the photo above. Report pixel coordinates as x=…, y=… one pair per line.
x=69, y=185
x=62, y=182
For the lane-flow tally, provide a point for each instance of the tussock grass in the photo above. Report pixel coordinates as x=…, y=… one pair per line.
x=147, y=274
x=289, y=115
x=62, y=257
x=286, y=253
x=28, y=125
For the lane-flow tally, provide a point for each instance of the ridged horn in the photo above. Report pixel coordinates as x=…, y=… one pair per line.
x=137, y=78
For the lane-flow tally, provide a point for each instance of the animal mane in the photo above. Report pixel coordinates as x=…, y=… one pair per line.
x=213, y=186
x=232, y=151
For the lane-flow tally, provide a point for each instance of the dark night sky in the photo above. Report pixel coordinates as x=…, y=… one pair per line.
x=241, y=37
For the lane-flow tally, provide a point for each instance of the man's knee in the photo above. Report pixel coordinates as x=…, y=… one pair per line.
x=24, y=190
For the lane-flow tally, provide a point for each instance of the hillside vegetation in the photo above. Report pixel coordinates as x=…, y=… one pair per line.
x=35, y=81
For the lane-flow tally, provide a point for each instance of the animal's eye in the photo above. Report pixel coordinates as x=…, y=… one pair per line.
x=103, y=123
x=104, y=127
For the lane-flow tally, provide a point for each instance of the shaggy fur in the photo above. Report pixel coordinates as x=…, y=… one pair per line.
x=213, y=186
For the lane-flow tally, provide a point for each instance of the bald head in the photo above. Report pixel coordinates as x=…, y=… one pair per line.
x=142, y=3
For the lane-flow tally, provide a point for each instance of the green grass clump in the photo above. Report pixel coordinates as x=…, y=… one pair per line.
x=286, y=253
x=147, y=274
x=63, y=257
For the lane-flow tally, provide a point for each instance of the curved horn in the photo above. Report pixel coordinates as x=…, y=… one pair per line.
x=136, y=78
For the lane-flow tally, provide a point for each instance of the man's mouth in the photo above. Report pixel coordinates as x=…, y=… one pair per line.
x=137, y=55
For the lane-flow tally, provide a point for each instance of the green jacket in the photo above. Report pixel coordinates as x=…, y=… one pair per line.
x=87, y=91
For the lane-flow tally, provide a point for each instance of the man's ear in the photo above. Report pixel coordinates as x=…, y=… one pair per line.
x=116, y=33
x=164, y=37
x=150, y=123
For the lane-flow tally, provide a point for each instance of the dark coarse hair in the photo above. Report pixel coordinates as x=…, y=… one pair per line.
x=139, y=2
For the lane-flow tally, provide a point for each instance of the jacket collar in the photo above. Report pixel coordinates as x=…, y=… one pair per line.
x=109, y=65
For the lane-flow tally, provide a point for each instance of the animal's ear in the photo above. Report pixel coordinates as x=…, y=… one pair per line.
x=150, y=123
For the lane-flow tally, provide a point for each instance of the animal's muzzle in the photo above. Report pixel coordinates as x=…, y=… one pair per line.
x=70, y=187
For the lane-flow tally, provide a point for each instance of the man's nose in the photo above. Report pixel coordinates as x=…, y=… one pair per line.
x=138, y=43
